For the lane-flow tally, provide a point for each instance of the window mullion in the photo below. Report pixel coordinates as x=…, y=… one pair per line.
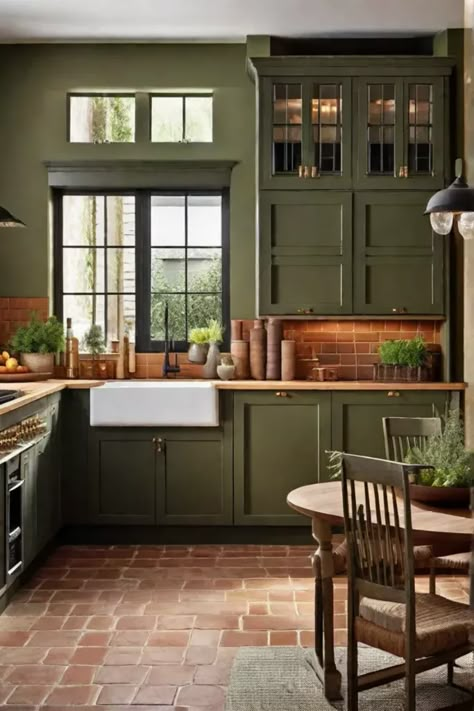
x=106, y=271
x=186, y=266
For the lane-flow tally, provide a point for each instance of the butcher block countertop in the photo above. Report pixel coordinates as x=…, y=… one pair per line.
x=36, y=391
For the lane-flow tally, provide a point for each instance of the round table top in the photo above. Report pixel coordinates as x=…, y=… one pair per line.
x=325, y=501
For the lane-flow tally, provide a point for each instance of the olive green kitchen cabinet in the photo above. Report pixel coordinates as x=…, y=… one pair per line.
x=122, y=476
x=280, y=440
x=357, y=416
x=194, y=477
x=3, y=530
x=48, y=478
x=398, y=260
x=175, y=476
x=305, y=252
x=305, y=132
x=401, y=132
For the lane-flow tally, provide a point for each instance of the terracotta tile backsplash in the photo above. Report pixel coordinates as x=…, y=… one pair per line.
x=348, y=346
x=15, y=312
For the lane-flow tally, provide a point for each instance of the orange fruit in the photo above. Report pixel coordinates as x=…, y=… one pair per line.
x=20, y=369
x=3, y=369
x=5, y=355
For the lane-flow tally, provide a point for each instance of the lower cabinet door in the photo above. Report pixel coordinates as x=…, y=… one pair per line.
x=122, y=477
x=3, y=530
x=194, y=477
x=48, y=491
x=279, y=444
x=357, y=416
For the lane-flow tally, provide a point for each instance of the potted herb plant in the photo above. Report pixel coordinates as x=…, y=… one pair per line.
x=402, y=359
x=38, y=342
x=93, y=343
x=198, y=345
x=448, y=477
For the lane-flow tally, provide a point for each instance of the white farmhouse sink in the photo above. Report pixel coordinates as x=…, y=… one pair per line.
x=169, y=403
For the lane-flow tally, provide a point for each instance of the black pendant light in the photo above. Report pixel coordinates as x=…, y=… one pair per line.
x=455, y=201
x=7, y=219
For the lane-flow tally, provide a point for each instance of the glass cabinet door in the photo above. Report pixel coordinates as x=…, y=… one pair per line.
x=380, y=134
x=424, y=132
x=306, y=133
x=287, y=128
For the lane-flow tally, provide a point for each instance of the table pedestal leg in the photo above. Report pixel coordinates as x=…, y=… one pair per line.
x=323, y=568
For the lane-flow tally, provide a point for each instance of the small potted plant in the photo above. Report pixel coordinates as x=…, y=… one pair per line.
x=93, y=343
x=448, y=477
x=213, y=355
x=198, y=345
x=402, y=359
x=38, y=342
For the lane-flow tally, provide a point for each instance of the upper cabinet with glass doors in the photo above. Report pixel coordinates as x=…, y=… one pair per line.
x=353, y=122
x=305, y=139
x=401, y=132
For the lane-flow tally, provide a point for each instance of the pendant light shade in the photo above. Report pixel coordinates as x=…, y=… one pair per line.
x=7, y=219
x=455, y=202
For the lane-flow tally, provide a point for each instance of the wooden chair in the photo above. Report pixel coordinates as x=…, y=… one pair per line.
x=426, y=630
x=401, y=434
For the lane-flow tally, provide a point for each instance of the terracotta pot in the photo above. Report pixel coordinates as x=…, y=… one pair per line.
x=38, y=362
x=442, y=496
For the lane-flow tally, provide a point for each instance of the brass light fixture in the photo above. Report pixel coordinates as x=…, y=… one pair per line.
x=8, y=220
x=454, y=202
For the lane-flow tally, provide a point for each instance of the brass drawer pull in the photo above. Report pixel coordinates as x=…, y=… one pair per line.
x=306, y=173
x=314, y=171
x=281, y=393
x=403, y=171
x=399, y=310
x=393, y=393
x=306, y=312
x=300, y=171
x=159, y=445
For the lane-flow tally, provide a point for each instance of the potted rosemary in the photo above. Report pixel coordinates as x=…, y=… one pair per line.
x=93, y=343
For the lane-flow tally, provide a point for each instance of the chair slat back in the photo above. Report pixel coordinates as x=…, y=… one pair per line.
x=379, y=535
x=404, y=433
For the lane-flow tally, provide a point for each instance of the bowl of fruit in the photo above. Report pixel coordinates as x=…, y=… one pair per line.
x=12, y=372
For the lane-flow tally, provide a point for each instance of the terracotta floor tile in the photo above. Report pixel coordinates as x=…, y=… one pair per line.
x=89, y=655
x=277, y=622
x=129, y=638
x=213, y=674
x=59, y=655
x=74, y=623
x=54, y=639
x=284, y=638
x=155, y=695
x=201, y=655
x=136, y=622
x=174, y=638
x=162, y=655
x=173, y=674
x=70, y=695
x=205, y=637
x=200, y=695
x=175, y=622
x=128, y=674
x=14, y=638
x=116, y=694
x=78, y=675
x=217, y=622
x=101, y=622
x=123, y=655
x=29, y=694
x=20, y=624
x=231, y=638
x=95, y=639
x=36, y=674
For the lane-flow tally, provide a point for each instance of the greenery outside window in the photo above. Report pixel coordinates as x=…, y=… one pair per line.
x=181, y=118
x=120, y=258
x=101, y=118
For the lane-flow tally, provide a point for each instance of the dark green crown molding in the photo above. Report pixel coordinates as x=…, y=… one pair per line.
x=135, y=174
x=351, y=66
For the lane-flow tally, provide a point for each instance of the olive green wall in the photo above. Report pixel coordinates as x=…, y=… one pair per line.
x=34, y=81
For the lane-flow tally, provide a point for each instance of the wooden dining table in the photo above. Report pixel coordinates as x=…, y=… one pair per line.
x=447, y=530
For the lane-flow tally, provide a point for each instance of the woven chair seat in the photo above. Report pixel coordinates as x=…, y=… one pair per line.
x=441, y=625
x=456, y=561
x=422, y=557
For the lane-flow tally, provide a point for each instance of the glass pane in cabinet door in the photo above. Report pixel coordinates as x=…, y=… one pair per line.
x=381, y=129
x=287, y=127
x=326, y=119
x=420, y=120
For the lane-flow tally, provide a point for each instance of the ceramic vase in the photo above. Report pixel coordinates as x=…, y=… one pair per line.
x=213, y=358
x=197, y=353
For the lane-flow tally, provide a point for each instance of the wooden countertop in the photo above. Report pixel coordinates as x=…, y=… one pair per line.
x=36, y=391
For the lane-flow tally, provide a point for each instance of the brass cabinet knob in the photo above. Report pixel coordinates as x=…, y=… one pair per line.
x=281, y=393
x=399, y=310
x=300, y=311
x=393, y=393
x=306, y=172
x=300, y=171
x=403, y=171
x=314, y=171
x=159, y=444
x=308, y=311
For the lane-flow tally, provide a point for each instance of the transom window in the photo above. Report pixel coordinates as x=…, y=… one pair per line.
x=181, y=118
x=101, y=118
x=120, y=258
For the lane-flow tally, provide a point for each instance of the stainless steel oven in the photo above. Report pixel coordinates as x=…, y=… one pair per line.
x=14, y=516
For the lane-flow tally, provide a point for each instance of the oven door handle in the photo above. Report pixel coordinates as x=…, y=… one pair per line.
x=14, y=534
x=16, y=486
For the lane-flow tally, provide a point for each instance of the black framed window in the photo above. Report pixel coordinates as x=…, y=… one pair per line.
x=181, y=118
x=121, y=257
x=101, y=118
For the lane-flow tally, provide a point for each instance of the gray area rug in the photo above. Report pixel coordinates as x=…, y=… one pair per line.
x=283, y=679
